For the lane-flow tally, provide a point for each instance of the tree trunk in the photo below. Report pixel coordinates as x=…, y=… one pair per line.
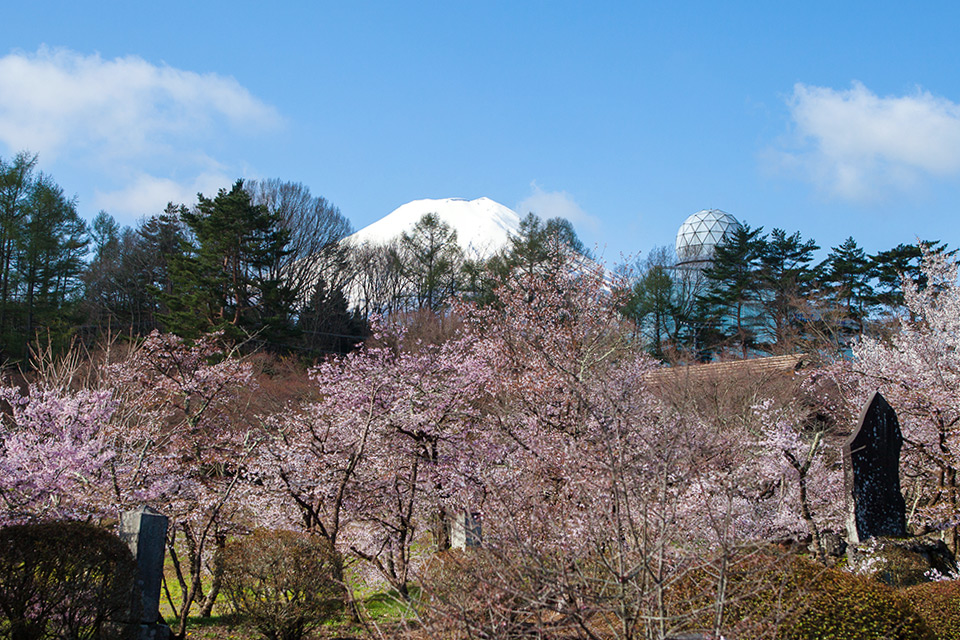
x=206, y=609
x=4, y=288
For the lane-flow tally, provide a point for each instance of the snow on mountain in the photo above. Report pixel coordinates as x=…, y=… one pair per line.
x=483, y=226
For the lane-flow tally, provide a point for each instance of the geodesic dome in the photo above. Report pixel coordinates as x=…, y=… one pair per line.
x=700, y=234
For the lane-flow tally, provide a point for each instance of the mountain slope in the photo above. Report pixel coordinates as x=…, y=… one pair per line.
x=483, y=226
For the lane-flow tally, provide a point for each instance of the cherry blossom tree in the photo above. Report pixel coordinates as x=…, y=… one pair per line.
x=165, y=425
x=53, y=454
x=577, y=457
x=803, y=468
x=366, y=456
x=184, y=441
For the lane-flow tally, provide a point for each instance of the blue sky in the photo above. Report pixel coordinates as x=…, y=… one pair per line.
x=832, y=119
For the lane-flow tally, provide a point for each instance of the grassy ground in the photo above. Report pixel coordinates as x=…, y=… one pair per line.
x=177, y=596
x=381, y=610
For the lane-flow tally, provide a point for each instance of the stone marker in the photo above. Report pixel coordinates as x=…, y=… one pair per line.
x=145, y=532
x=465, y=530
x=871, y=466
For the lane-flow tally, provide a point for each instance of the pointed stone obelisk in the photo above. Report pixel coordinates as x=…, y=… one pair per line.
x=871, y=465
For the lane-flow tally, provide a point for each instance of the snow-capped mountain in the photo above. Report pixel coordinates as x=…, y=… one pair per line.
x=483, y=226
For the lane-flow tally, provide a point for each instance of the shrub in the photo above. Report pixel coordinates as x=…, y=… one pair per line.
x=840, y=605
x=66, y=579
x=792, y=598
x=283, y=583
x=520, y=592
x=767, y=593
x=758, y=591
x=487, y=593
x=938, y=603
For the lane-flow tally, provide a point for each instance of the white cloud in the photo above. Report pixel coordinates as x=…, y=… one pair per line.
x=556, y=204
x=132, y=123
x=859, y=146
x=58, y=101
x=149, y=194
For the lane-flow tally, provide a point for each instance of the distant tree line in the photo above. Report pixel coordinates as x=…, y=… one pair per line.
x=246, y=262
x=426, y=267
x=261, y=262
x=43, y=242
x=264, y=262
x=764, y=294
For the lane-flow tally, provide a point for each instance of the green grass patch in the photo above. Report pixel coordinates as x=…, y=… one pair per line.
x=385, y=608
x=220, y=609
x=221, y=620
x=390, y=606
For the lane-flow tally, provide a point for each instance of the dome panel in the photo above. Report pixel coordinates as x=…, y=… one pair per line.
x=700, y=233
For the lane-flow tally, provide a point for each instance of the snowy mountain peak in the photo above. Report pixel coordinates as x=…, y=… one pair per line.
x=483, y=226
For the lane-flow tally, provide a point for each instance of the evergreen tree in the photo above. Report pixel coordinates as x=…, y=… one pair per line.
x=42, y=247
x=845, y=278
x=477, y=279
x=120, y=291
x=538, y=248
x=124, y=286
x=650, y=305
x=105, y=234
x=163, y=238
x=103, y=293
x=889, y=268
x=325, y=323
x=539, y=245
x=49, y=260
x=661, y=303
x=223, y=280
x=729, y=306
x=786, y=279
x=16, y=183
x=432, y=261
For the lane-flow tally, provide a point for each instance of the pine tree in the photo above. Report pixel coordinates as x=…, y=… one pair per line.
x=432, y=261
x=223, y=281
x=650, y=307
x=130, y=270
x=49, y=262
x=538, y=245
x=730, y=302
x=163, y=238
x=325, y=323
x=889, y=268
x=538, y=248
x=845, y=278
x=16, y=183
x=786, y=280
x=105, y=233
x=659, y=302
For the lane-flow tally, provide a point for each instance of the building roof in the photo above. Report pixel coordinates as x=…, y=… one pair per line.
x=715, y=370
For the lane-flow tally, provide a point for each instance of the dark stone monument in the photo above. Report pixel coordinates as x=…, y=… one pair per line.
x=145, y=532
x=871, y=465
